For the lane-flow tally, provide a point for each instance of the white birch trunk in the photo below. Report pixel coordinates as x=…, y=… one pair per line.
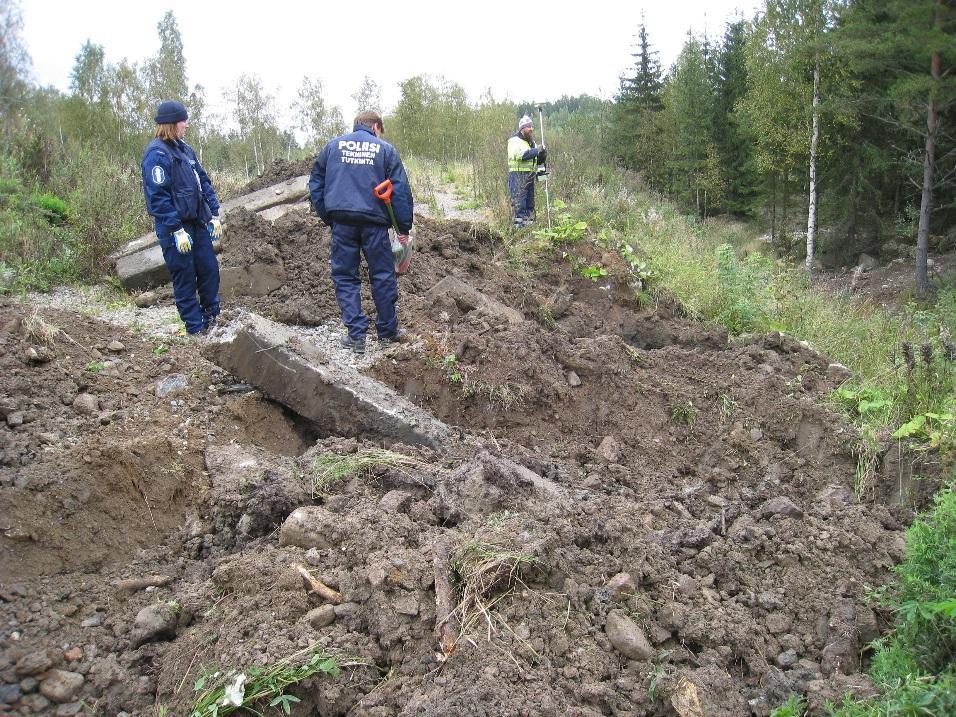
x=814, y=141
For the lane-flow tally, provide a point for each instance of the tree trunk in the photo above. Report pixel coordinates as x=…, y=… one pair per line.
x=814, y=139
x=773, y=210
x=929, y=161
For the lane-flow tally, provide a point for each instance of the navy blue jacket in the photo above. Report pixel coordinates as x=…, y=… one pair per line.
x=347, y=171
x=176, y=187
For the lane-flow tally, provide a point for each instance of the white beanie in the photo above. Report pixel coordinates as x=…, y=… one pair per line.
x=525, y=121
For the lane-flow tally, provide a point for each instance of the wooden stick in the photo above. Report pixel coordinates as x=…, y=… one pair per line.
x=445, y=623
x=317, y=587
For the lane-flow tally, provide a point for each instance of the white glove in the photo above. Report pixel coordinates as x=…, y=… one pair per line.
x=215, y=227
x=184, y=242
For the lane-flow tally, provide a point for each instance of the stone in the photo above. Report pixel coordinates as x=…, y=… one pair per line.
x=61, y=685
x=154, y=623
x=867, y=263
x=74, y=654
x=321, y=616
x=70, y=709
x=15, y=419
x=36, y=703
x=406, y=604
x=86, y=404
x=9, y=693
x=840, y=657
x=395, y=501
x=171, y=385
x=115, y=346
x=29, y=684
x=309, y=527
x=147, y=298
x=94, y=621
x=626, y=637
x=781, y=505
x=573, y=379
x=33, y=663
x=621, y=586
x=609, y=450
x=786, y=659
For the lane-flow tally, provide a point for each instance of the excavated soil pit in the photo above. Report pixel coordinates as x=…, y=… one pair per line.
x=639, y=517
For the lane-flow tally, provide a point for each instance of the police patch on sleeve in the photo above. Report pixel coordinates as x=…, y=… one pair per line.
x=158, y=175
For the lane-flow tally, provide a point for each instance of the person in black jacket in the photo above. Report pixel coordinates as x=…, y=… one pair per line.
x=181, y=200
x=341, y=188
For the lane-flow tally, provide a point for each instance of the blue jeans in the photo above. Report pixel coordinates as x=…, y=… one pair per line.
x=349, y=243
x=521, y=187
x=195, y=277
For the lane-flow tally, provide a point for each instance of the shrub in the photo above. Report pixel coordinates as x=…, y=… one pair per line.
x=53, y=208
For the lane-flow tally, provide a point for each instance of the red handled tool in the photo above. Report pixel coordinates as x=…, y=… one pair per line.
x=384, y=192
x=402, y=252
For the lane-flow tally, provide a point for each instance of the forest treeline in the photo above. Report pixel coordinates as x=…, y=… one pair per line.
x=829, y=122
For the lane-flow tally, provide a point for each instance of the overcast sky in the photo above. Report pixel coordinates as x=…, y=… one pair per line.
x=519, y=51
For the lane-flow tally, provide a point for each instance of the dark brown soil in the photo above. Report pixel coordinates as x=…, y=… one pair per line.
x=666, y=520
x=277, y=172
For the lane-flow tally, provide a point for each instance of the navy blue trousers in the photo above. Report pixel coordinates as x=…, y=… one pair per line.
x=521, y=187
x=349, y=243
x=195, y=277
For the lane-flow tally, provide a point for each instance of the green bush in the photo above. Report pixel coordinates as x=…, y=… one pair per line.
x=924, y=596
x=54, y=209
x=915, y=666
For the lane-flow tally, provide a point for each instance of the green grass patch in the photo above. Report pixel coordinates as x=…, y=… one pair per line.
x=257, y=688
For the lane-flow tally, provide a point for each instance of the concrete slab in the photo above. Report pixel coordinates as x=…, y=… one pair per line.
x=468, y=298
x=338, y=399
x=258, y=280
x=140, y=265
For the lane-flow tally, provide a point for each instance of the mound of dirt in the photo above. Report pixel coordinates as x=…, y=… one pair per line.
x=639, y=517
x=279, y=171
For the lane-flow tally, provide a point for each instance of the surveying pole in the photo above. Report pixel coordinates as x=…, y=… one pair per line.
x=544, y=176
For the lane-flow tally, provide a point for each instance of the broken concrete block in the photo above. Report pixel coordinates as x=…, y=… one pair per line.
x=338, y=399
x=468, y=298
x=140, y=265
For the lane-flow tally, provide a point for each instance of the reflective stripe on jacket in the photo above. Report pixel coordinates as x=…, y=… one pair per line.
x=521, y=154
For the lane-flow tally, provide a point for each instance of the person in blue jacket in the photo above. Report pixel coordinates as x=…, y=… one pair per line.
x=524, y=159
x=341, y=188
x=184, y=206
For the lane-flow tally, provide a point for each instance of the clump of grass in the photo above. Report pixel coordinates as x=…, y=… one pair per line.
x=224, y=693
x=684, y=413
x=330, y=468
x=793, y=707
x=39, y=330
x=486, y=573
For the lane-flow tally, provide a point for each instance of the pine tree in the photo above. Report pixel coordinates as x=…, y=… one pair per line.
x=904, y=53
x=733, y=146
x=639, y=100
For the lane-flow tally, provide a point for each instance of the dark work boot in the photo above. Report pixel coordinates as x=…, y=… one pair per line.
x=356, y=346
x=398, y=337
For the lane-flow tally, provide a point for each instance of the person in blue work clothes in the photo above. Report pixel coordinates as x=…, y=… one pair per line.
x=523, y=161
x=184, y=206
x=341, y=189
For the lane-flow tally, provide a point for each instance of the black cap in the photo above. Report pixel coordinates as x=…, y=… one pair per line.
x=170, y=112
